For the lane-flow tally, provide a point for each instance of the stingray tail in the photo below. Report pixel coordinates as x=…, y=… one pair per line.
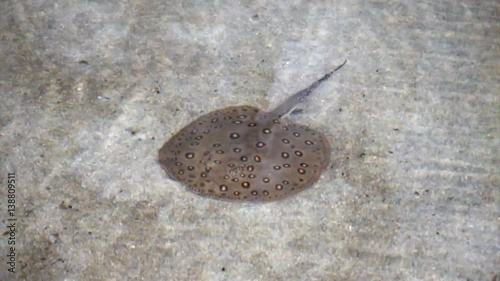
x=289, y=105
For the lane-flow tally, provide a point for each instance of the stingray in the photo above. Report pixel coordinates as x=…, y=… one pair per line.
x=241, y=153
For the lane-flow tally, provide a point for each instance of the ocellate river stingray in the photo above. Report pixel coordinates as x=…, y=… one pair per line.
x=241, y=153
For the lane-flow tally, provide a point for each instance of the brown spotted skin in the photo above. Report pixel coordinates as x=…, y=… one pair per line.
x=243, y=154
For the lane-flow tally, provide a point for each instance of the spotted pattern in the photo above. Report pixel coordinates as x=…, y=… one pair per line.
x=255, y=160
x=241, y=153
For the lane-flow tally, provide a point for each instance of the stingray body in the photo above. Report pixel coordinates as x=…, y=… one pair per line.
x=241, y=153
